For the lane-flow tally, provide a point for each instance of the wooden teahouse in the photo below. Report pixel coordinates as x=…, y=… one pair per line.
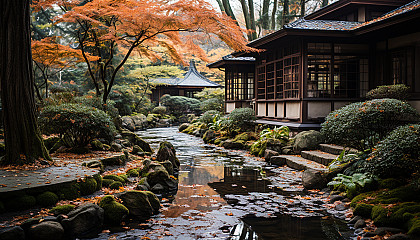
x=326, y=60
x=192, y=83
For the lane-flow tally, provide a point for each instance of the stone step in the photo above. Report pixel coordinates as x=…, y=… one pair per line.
x=298, y=163
x=335, y=149
x=319, y=156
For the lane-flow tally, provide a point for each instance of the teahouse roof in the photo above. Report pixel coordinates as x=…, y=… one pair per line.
x=191, y=79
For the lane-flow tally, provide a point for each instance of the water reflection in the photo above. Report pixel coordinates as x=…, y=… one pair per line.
x=224, y=195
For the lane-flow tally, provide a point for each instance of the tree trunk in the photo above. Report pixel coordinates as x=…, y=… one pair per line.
x=245, y=10
x=273, y=15
x=265, y=16
x=22, y=137
x=252, y=19
x=302, y=8
x=228, y=9
x=222, y=8
x=285, y=12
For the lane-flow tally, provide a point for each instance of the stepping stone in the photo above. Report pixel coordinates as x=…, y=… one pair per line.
x=299, y=163
x=319, y=157
x=335, y=149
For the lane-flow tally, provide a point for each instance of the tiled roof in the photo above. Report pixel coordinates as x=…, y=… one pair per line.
x=191, y=79
x=401, y=10
x=232, y=58
x=322, y=25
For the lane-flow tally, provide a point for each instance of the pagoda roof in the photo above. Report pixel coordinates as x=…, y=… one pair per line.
x=191, y=79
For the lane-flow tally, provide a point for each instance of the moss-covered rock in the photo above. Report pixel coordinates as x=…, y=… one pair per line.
x=125, y=177
x=132, y=173
x=183, y=126
x=307, y=140
x=142, y=204
x=69, y=192
x=94, y=164
x=232, y=144
x=136, y=140
x=22, y=202
x=219, y=140
x=115, y=178
x=115, y=185
x=46, y=199
x=114, y=160
x=364, y=210
x=107, y=182
x=136, y=150
x=209, y=136
x=414, y=227
x=246, y=136
x=167, y=152
x=98, y=178
x=87, y=186
x=114, y=212
x=380, y=216
x=97, y=145
x=62, y=209
x=390, y=183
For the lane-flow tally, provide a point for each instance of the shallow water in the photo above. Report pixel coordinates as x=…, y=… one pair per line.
x=230, y=195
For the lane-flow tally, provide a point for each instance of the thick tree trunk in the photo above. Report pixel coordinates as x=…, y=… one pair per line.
x=252, y=18
x=228, y=9
x=302, y=8
x=285, y=12
x=274, y=15
x=22, y=137
x=265, y=16
x=245, y=10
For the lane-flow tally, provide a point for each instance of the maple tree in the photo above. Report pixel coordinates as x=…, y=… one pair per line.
x=105, y=26
x=51, y=57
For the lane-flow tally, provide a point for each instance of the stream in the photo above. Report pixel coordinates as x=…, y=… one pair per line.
x=225, y=194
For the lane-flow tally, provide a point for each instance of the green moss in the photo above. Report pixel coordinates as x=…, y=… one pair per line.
x=113, y=161
x=246, y=136
x=69, y=192
x=218, y=141
x=414, y=230
x=87, y=186
x=115, y=178
x=390, y=183
x=114, y=212
x=23, y=202
x=363, y=210
x=98, y=178
x=62, y=209
x=132, y=173
x=97, y=145
x=153, y=199
x=107, y=182
x=124, y=176
x=115, y=185
x=46, y=199
x=380, y=216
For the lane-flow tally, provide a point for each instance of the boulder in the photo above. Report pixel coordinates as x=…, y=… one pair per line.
x=268, y=154
x=183, y=126
x=275, y=144
x=136, y=140
x=307, y=140
x=169, y=167
x=97, y=145
x=12, y=233
x=136, y=150
x=231, y=144
x=85, y=221
x=114, y=212
x=140, y=122
x=209, y=136
x=360, y=224
x=164, y=122
x=46, y=230
x=277, y=160
x=312, y=179
x=141, y=204
x=128, y=123
x=167, y=152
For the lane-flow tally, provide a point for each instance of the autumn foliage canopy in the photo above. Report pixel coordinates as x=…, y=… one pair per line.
x=178, y=27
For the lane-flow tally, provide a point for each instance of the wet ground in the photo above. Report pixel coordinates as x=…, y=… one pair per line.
x=231, y=195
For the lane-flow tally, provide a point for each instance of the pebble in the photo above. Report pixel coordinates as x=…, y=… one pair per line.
x=341, y=207
x=354, y=219
x=334, y=198
x=360, y=224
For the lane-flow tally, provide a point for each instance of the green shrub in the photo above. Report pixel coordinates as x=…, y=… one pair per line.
x=398, y=91
x=209, y=93
x=62, y=209
x=209, y=116
x=161, y=110
x=352, y=184
x=46, y=199
x=96, y=102
x=114, y=212
x=363, y=124
x=242, y=118
x=115, y=185
x=398, y=154
x=78, y=125
x=212, y=104
x=179, y=105
x=124, y=99
x=87, y=186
